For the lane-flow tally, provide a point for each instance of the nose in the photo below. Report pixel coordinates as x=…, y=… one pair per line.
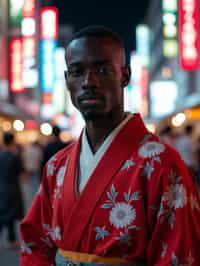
x=90, y=79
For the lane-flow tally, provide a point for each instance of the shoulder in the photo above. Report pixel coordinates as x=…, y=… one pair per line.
x=153, y=149
x=61, y=156
x=58, y=160
x=56, y=166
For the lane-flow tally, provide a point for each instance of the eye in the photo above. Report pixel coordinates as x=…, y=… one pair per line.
x=75, y=71
x=103, y=69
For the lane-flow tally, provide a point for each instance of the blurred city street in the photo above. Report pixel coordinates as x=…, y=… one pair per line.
x=8, y=256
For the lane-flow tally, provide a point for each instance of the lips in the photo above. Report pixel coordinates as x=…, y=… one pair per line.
x=90, y=99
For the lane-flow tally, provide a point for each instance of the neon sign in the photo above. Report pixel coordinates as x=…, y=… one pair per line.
x=16, y=82
x=188, y=35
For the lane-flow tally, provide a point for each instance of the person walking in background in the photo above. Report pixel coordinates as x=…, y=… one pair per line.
x=184, y=145
x=11, y=202
x=117, y=196
x=197, y=160
x=53, y=145
x=32, y=157
x=167, y=136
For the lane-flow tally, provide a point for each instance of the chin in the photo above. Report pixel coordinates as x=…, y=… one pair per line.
x=90, y=116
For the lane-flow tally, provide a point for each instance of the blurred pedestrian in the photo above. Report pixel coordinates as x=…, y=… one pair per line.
x=53, y=145
x=167, y=136
x=118, y=196
x=11, y=202
x=32, y=157
x=184, y=145
x=197, y=160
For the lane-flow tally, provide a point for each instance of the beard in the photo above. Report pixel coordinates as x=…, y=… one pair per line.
x=91, y=115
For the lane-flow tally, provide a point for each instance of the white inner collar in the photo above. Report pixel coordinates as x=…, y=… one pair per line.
x=89, y=160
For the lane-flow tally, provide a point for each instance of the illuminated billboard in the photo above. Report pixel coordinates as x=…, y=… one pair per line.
x=47, y=74
x=143, y=44
x=48, y=44
x=163, y=98
x=49, y=23
x=15, y=12
x=189, y=34
x=170, y=28
x=29, y=44
x=15, y=51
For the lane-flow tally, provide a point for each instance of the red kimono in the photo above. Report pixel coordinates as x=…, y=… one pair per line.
x=140, y=204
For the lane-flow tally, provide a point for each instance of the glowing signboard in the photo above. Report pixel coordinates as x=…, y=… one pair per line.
x=170, y=28
x=28, y=28
x=189, y=34
x=47, y=75
x=29, y=9
x=15, y=49
x=49, y=23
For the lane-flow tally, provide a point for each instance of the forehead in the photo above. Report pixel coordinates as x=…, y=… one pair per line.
x=89, y=49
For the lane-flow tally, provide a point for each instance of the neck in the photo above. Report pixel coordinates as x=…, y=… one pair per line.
x=99, y=129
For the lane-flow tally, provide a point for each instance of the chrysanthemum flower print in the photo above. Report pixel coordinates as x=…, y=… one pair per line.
x=151, y=149
x=176, y=196
x=60, y=176
x=122, y=215
x=26, y=247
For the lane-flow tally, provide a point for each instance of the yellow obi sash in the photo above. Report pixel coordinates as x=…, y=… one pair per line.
x=89, y=258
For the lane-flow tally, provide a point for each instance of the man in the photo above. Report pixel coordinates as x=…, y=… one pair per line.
x=184, y=145
x=117, y=196
x=53, y=146
x=11, y=202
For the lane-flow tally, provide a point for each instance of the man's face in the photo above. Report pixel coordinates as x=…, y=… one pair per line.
x=96, y=76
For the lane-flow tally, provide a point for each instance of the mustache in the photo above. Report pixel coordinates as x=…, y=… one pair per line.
x=90, y=95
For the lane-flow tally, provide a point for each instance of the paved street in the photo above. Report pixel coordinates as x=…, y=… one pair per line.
x=9, y=257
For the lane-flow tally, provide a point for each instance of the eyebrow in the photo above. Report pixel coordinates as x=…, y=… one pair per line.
x=96, y=63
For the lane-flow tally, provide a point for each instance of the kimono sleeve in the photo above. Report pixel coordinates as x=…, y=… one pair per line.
x=174, y=215
x=37, y=247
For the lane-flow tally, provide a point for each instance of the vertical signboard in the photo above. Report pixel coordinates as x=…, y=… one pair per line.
x=170, y=28
x=15, y=12
x=3, y=54
x=30, y=72
x=48, y=44
x=15, y=51
x=143, y=44
x=189, y=34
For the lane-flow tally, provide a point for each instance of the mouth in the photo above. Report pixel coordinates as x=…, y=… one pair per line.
x=90, y=100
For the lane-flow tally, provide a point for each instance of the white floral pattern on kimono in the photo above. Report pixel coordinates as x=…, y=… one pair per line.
x=26, y=247
x=55, y=233
x=121, y=215
x=151, y=149
x=59, y=181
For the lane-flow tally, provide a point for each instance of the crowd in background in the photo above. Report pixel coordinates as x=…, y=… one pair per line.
x=187, y=144
x=20, y=176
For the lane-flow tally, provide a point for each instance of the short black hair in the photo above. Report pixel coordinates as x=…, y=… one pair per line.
x=189, y=129
x=8, y=138
x=98, y=31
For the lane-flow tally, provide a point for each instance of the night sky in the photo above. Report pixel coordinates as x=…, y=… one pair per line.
x=121, y=16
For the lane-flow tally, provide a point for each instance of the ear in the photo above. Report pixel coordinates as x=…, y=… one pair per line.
x=126, y=75
x=66, y=77
x=65, y=74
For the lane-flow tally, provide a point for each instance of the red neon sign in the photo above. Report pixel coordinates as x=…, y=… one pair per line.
x=188, y=34
x=29, y=46
x=49, y=23
x=16, y=82
x=29, y=9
